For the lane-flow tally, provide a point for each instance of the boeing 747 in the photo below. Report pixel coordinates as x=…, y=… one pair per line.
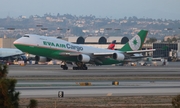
x=55, y=48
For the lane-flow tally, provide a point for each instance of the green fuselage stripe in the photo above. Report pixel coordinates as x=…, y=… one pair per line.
x=55, y=54
x=43, y=51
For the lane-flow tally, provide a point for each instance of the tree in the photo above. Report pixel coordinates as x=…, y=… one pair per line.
x=77, y=31
x=33, y=103
x=169, y=40
x=174, y=39
x=151, y=40
x=3, y=71
x=9, y=98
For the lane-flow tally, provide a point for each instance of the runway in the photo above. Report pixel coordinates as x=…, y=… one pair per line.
x=48, y=80
x=71, y=89
x=55, y=70
x=95, y=92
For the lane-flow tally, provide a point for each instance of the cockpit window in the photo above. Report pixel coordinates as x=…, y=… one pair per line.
x=25, y=36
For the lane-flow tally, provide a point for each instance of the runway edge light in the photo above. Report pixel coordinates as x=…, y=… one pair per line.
x=115, y=83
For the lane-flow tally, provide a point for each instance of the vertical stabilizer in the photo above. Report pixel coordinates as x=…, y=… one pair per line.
x=112, y=45
x=136, y=42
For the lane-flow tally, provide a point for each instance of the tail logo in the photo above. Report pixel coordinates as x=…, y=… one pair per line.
x=135, y=43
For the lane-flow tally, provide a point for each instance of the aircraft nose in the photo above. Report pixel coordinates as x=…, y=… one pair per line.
x=15, y=42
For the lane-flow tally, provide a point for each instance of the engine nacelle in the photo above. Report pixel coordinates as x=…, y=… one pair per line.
x=42, y=59
x=118, y=56
x=83, y=58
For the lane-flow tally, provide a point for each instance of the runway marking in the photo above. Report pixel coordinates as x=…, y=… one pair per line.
x=109, y=94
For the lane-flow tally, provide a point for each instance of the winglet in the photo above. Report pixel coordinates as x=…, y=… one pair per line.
x=136, y=42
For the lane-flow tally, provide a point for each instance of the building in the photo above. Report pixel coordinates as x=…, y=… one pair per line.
x=97, y=40
x=7, y=42
x=166, y=50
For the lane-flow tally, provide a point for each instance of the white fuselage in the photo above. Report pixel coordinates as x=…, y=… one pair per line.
x=59, y=44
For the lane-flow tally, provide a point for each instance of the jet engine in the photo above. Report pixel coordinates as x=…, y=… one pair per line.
x=42, y=59
x=83, y=58
x=118, y=56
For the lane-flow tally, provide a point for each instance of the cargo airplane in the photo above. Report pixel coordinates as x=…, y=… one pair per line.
x=55, y=48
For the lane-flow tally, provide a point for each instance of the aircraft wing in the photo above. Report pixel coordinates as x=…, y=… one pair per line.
x=140, y=51
x=136, y=55
x=94, y=54
x=140, y=56
x=131, y=60
x=103, y=54
x=127, y=52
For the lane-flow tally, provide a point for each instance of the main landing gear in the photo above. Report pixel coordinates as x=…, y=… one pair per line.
x=64, y=66
x=80, y=66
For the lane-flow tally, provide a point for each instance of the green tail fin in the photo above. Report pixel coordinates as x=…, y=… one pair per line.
x=136, y=42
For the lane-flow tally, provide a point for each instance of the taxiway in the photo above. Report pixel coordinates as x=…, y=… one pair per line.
x=48, y=80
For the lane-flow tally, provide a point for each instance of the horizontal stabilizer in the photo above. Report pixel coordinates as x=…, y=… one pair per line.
x=140, y=51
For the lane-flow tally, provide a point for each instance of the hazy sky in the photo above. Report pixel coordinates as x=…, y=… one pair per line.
x=165, y=9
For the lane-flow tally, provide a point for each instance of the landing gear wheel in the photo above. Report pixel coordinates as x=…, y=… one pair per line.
x=64, y=67
x=85, y=68
x=75, y=68
x=80, y=68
